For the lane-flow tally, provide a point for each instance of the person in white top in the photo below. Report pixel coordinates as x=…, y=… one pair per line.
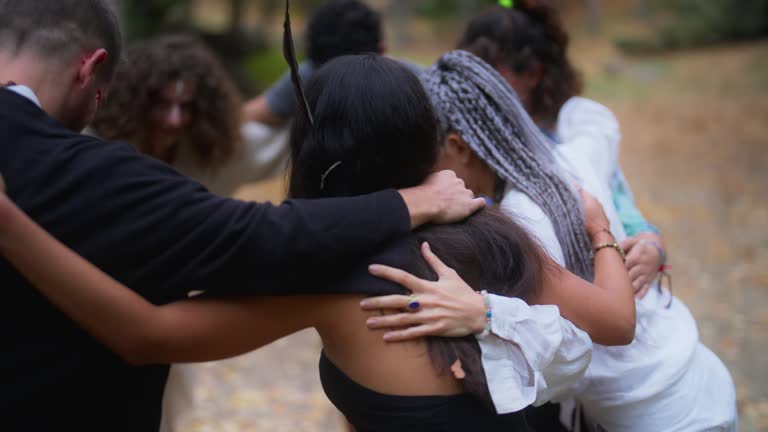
x=665, y=379
x=537, y=355
x=173, y=100
x=527, y=44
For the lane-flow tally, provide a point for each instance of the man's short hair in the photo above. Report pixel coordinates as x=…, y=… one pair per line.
x=60, y=28
x=342, y=27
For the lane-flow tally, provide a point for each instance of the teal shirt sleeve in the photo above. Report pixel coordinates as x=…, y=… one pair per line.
x=631, y=217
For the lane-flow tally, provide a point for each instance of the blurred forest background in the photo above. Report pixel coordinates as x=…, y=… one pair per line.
x=246, y=33
x=688, y=80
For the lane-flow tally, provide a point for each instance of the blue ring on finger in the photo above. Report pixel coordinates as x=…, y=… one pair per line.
x=414, y=304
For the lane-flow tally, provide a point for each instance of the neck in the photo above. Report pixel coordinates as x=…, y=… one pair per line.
x=50, y=88
x=485, y=182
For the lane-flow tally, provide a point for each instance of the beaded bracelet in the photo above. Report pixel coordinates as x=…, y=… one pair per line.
x=613, y=245
x=488, y=315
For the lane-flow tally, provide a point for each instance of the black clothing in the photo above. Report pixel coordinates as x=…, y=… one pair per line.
x=161, y=234
x=369, y=411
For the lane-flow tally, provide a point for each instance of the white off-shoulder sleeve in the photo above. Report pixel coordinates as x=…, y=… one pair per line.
x=532, y=355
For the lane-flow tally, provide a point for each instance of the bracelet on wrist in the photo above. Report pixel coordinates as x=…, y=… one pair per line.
x=613, y=245
x=488, y=315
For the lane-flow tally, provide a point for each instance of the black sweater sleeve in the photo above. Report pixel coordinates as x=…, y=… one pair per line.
x=165, y=235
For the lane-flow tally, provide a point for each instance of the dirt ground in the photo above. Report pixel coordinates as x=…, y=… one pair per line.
x=695, y=137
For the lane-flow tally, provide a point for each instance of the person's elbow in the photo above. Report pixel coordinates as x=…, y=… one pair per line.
x=621, y=330
x=143, y=348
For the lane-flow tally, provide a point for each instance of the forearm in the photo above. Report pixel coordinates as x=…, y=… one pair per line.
x=77, y=288
x=138, y=331
x=421, y=207
x=605, y=309
x=618, y=300
x=317, y=237
x=258, y=110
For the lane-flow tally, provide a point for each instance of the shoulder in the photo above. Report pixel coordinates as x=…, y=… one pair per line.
x=401, y=254
x=532, y=218
x=521, y=207
x=116, y=161
x=579, y=109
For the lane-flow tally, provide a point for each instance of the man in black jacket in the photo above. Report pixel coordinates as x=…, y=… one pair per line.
x=143, y=223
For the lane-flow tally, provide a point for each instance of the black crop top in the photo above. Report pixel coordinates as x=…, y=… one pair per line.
x=369, y=411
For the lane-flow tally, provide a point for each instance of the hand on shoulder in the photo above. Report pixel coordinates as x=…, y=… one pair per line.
x=442, y=198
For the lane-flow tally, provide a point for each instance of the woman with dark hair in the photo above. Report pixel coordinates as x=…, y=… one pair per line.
x=355, y=144
x=528, y=45
x=173, y=100
x=665, y=379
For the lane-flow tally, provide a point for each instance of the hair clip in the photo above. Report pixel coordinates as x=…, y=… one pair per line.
x=509, y=4
x=327, y=172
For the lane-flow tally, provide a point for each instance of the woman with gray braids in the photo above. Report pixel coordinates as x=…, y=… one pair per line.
x=665, y=379
x=509, y=144
x=528, y=44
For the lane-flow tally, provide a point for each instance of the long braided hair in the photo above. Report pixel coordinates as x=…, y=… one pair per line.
x=472, y=99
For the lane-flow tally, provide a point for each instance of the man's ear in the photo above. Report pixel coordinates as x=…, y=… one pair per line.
x=89, y=65
x=457, y=148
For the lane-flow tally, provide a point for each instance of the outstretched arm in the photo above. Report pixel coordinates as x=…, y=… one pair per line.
x=604, y=309
x=188, y=331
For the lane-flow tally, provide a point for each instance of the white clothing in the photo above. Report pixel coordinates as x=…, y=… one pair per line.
x=264, y=155
x=26, y=92
x=665, y=379
x=548, y=354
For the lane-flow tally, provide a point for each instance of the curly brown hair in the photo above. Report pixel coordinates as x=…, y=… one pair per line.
x=531, y=32
x=214, y=133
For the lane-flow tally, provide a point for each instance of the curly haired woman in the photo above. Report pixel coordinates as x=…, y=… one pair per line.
x=173, y=100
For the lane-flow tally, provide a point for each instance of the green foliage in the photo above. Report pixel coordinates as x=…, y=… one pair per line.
x=691, y=23
x=265, y=68
x=143, y=18
x=450, y=8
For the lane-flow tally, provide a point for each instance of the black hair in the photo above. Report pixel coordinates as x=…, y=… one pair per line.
x=342, y=27
x=489, y=251
x=58, y=28
x=528, y=34
x=373, y=116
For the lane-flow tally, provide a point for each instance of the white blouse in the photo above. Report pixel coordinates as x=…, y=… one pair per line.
x=665, y=379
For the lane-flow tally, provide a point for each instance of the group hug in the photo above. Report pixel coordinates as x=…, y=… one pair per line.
x=461, y=236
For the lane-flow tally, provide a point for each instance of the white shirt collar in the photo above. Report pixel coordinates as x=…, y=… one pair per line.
x=26, y=92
